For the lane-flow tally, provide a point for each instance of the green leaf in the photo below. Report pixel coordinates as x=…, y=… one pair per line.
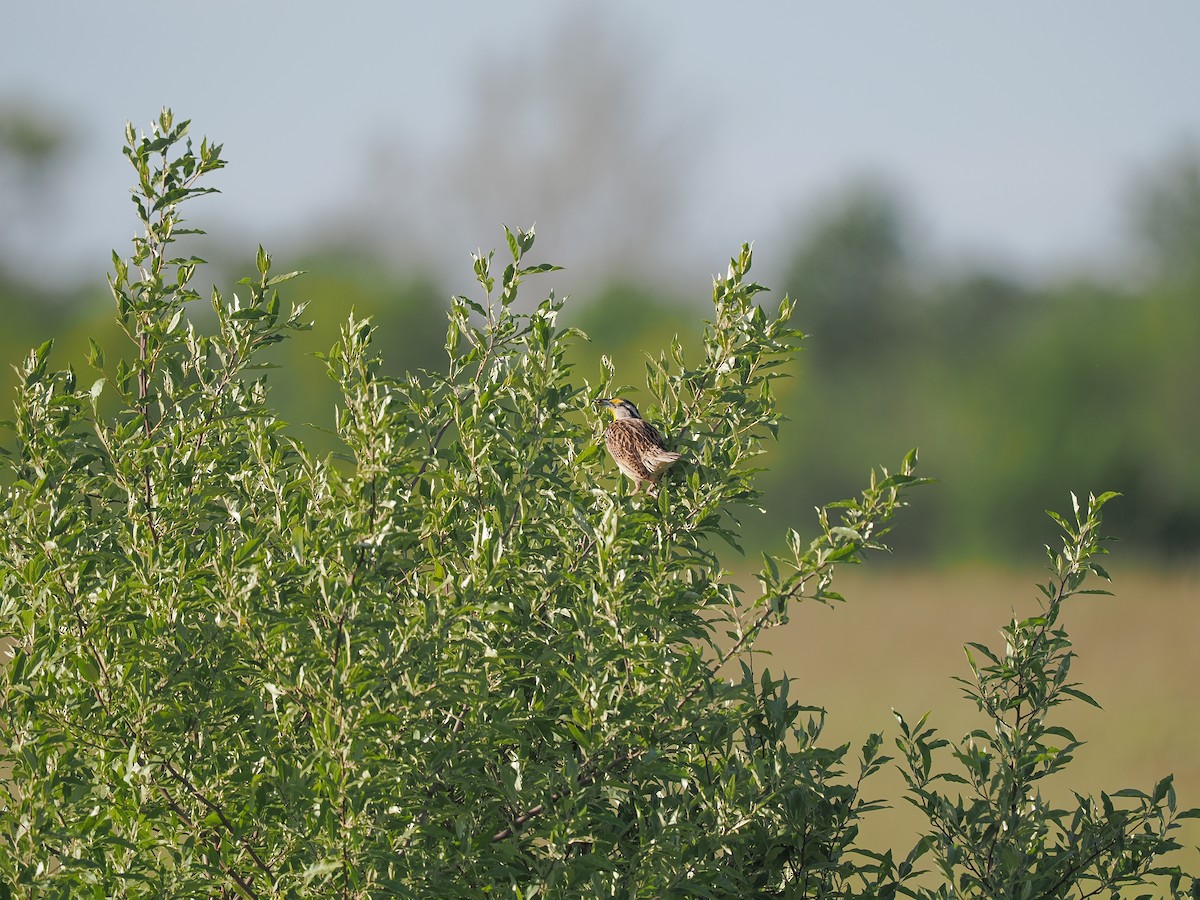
x=538, y=269
x=95, y=354
x=772, y=568
x=588, y=453
x=320, y=869
x=280, y=279
x=1162, y=789
x=43, y=351
x=1080, y=695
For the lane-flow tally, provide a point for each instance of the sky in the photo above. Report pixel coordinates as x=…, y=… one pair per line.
x=642, y=134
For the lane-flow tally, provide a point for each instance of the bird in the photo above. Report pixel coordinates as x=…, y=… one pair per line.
x=635, y=445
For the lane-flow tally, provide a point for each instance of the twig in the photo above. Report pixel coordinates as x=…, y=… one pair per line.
x=220, y=813
x=246, y=887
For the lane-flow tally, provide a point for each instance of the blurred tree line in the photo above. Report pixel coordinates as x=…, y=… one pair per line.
x=998, y=382
x=994, y=377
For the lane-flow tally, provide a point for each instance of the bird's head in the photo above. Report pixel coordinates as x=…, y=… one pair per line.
x=620, y=409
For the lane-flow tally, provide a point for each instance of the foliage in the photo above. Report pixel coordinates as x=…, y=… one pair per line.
x=453, y=657
x=1005, y=839
x=456, y=657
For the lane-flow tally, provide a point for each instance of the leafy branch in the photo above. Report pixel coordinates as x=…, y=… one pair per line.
x=1006, y=839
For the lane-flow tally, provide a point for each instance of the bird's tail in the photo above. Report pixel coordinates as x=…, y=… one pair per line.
x=660, y=460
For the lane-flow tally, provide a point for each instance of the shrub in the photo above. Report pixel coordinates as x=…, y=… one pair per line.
x=456, y=658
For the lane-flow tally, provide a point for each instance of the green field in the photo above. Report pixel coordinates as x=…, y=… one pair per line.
x=898, y=640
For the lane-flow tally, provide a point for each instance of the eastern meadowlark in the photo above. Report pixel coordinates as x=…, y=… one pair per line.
x=635, y=444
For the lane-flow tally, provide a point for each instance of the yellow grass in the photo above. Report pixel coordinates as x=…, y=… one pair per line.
x=898, y=639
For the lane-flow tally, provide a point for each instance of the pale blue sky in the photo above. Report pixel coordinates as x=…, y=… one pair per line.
x=1013, y=128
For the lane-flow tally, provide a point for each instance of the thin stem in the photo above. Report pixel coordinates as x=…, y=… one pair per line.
x=219, y=813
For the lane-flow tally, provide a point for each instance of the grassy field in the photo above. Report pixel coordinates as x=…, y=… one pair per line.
x=898, y=639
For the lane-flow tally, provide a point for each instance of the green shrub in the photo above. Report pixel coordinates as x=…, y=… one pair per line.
x=456, y=658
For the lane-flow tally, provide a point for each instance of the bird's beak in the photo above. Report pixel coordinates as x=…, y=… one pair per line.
x=602, y=401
